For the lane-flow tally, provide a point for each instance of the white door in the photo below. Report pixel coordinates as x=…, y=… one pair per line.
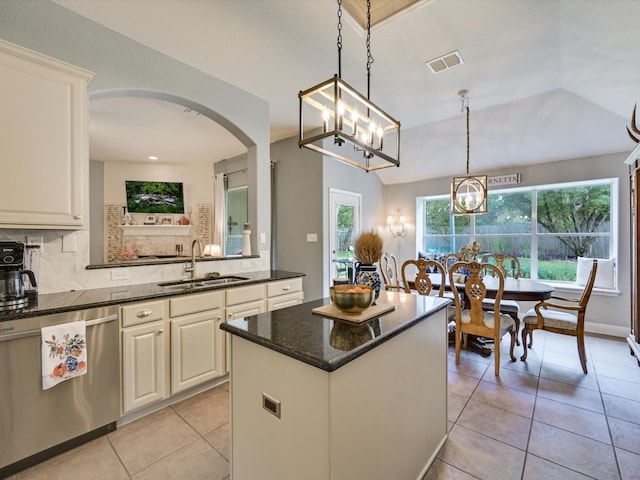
x=344, y=225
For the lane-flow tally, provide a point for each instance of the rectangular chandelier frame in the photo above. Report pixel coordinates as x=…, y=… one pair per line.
x=352, y=128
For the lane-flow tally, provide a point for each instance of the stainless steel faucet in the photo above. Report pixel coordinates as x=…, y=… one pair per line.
x=192, y=268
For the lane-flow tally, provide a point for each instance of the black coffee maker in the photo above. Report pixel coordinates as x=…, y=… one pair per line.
x=13, y=294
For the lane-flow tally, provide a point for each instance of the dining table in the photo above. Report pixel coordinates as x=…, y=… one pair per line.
x=519, y=289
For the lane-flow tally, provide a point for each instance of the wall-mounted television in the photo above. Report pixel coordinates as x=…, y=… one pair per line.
x=154, y=197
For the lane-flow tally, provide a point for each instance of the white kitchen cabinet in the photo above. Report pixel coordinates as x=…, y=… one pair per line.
x=241, y=302
x=44, y=139
x=197, y=343
x=245, y=301
x=144, y=361
x=284, y=293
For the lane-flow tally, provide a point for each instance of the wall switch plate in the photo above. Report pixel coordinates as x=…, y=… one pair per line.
x=120, y=274
x=263, y=238
x=312, y=237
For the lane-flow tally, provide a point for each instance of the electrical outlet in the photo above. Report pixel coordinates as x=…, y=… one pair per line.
x=312, y=237
x=245, y=264
x=69, y=243
x=120, y=274
x=36, y=240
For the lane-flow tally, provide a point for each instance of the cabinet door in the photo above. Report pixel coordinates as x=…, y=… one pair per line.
x=44, y=139
x=239, y=311
x=245, y=309
x=143, y=370
x=195, y=351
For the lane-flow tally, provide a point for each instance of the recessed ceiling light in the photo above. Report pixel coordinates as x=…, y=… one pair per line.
x=152, y=157
x=445, y=62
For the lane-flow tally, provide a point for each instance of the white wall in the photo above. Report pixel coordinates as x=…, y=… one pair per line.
x=197, y=179
x=125, y=66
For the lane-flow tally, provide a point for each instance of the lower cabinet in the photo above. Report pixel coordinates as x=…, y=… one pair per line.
x=172, y=345
x=284, y=293
x=197, y=348
x=144, y=367
x=169, y=346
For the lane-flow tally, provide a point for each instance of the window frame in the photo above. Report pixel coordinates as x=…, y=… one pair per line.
x=534, y=234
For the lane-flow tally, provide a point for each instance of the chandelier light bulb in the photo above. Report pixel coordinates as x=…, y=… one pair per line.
x=341, y=110
x=325, y=120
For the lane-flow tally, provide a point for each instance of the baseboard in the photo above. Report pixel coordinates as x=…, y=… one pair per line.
x=604, y=329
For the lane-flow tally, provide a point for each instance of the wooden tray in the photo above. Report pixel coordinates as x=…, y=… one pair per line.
x=373, y=311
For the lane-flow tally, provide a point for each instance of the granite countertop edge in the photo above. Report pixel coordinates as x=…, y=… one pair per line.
x=61, y=302
x=341, y=360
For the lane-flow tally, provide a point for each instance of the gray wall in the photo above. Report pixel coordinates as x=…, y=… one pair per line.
x=303, y=179
x=604, y=311
x=298, y=207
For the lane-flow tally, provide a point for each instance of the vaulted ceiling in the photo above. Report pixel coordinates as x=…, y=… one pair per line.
x=547, y=80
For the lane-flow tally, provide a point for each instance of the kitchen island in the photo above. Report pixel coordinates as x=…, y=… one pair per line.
x=318, y=398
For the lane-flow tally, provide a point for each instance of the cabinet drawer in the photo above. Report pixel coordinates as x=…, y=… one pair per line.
x=282, y=301
x=250, y=293
x=283, y=287
x=195, y=303
x=142, y=313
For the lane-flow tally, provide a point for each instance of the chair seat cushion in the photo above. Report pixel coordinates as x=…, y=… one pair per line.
x=553, y=318
x=506, y=306
x=505, y=320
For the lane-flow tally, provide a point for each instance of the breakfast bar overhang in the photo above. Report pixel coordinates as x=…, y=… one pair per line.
x=318, y=398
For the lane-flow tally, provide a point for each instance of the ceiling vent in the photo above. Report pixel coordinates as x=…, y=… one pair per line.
x=445, y=62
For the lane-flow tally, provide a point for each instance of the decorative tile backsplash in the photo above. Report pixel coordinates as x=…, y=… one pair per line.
x=118, y=244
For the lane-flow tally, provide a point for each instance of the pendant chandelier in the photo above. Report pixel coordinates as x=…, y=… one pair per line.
x=468, y=194
x=337, y=121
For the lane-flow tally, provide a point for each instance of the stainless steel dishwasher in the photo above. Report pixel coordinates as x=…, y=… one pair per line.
x=36, y=424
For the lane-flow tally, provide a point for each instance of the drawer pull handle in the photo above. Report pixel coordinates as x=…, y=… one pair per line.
x=286, y=288
x=160, y=332
x=144, y=313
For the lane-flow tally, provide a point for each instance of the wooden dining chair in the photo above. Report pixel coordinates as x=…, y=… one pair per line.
x=472, y=318
x=389, y=270
x=565, y=318
x=510, y=267
x=422, y=283
x=449, y=260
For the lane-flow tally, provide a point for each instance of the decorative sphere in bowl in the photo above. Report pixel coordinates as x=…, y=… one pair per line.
x=352, y=298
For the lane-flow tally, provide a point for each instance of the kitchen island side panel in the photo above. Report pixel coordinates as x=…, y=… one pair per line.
x=382, y=415
x=389, y=407
x=294, y=446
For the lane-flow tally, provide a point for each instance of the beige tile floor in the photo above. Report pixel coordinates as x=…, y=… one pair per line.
x=543, y=419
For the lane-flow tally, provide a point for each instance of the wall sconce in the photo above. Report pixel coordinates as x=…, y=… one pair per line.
x=399, y=228
x=212, y=250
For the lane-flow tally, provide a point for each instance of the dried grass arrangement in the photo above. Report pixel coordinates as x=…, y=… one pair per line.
x=367, y=247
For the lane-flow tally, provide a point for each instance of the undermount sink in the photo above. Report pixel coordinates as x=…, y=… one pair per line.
x=203, y=282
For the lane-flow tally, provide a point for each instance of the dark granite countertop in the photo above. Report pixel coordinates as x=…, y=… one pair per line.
x=61, y=302
x=329, y=344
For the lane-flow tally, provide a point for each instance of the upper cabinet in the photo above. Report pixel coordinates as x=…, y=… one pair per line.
x=44, y=143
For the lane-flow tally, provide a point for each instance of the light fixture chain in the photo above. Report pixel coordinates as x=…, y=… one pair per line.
x=370, y=59
x=339, y=42
x=467, y=138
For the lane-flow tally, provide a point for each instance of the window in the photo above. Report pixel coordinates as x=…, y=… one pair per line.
x=237, y=216
x=547, y=227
